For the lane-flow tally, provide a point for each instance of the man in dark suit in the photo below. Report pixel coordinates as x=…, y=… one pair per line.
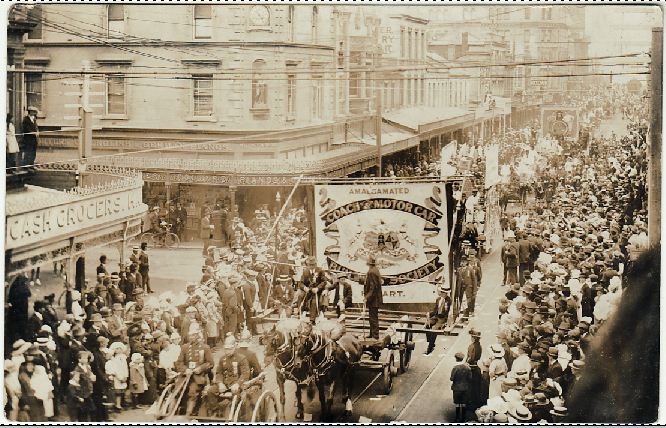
x=524, y=256
x=249, y=289
x=181, y=220
x=468, y=285
x=342, y=294
x=461, y=379
x=30, y=131
x=439, y=315
x=510, y=259
x=372, y=292
x=314, y=281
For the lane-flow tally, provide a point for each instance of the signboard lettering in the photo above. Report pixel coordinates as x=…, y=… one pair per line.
x=35, y=226
x=403, y=227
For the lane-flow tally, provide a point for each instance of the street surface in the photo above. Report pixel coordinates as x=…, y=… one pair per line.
x=422, y=394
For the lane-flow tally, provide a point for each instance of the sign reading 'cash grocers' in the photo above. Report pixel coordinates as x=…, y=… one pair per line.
x=403, y=227
x=68, y=218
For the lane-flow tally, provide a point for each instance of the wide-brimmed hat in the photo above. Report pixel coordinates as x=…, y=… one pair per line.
x=20, y=347
x=559, y=411
x=577, y=365
x=541, y=398
x=512, y=395
x=497, y=350
x=521, y=413
x=444, y=288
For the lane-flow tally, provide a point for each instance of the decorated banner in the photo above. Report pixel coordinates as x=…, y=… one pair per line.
x=404, y=226
x=448, y=160
x=492, y=166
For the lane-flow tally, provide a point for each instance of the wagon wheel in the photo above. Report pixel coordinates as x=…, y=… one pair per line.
x=406, y=353
x=266, y=409
x=387, y=375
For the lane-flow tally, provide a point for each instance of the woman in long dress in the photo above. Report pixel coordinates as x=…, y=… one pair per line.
x=497, y=370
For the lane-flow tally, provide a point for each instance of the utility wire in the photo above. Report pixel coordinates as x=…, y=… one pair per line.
x=105, y=42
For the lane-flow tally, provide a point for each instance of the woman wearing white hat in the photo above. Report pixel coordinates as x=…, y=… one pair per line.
x=497, y=369
x=118, y=371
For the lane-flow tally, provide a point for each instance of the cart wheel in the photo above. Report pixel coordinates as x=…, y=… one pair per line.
x=395, y=368
x=407, y=353
x=388, y=377
x=266, y=409
x=171, y=241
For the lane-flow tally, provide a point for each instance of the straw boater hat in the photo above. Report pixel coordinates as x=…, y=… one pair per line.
x=474, y=332
x=520, y=413
x=497, y=350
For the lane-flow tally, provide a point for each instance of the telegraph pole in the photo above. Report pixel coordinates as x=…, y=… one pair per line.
x=654, y=154
x=378, y=116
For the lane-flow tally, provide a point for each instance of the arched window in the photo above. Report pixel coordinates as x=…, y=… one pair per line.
x=259, y=96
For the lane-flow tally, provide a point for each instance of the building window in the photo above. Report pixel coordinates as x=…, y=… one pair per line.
x=34, y=88
x=115, y=15
x=528, y=12
x=291, y=10
x=409, y=43
x=35, y=15
x=115, y=95
x=202, y=95
x=291, y=94
x=259, y=96
x=203, y=20
x=317, y=96
x=423, y=85
x=315, y=22
x=354, y=84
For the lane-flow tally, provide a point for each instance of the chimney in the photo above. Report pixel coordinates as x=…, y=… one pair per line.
x=465, y=44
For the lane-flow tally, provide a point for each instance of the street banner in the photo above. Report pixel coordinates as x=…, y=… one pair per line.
x=492, y=166
x=448, y=163
x=403, y=225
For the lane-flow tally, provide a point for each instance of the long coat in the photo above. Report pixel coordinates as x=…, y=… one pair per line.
x=372, y=289
x=28, y=128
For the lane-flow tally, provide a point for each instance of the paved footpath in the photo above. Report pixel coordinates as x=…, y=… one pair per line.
x=433, y=401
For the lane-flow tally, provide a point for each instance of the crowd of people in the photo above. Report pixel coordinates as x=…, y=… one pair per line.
x=566, y=259
x=118, y=344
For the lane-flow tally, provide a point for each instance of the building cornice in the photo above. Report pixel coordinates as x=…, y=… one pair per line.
x=231, y=44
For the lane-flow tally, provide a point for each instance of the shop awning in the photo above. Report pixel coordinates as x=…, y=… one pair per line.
x=428, y=119
x=393, y=139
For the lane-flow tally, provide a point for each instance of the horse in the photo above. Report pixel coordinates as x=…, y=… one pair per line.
x=331, y=363
x=319, y=356
x=280, y=349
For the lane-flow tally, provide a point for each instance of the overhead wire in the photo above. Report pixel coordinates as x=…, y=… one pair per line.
x=469, y=66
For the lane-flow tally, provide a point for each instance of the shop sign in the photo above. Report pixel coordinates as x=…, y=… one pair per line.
x=402, y=226
x=225, y=180
x=133, y=144
x=64, y=220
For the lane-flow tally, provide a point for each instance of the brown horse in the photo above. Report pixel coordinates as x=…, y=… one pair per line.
x=320, y=356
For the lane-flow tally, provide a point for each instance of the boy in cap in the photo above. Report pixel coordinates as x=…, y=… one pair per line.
x=461, y=378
